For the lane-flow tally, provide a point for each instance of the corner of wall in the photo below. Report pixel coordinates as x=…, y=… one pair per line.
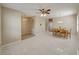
x=0, y=24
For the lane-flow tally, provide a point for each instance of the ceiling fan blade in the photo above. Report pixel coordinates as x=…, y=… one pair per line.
x=49, y=10
x=42, y=9
x=48, y=13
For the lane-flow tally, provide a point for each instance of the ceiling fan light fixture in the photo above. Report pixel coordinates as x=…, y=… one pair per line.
x=41, y=14
x=45, y=14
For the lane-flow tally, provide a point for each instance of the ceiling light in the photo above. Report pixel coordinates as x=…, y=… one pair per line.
x=41, y=14
x=45, y=14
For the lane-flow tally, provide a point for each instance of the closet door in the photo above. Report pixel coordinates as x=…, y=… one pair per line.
x=27, y=24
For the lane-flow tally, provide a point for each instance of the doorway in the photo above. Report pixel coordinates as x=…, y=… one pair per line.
x=27, y=24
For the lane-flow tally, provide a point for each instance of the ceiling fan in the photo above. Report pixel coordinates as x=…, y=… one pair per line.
x=44, y=12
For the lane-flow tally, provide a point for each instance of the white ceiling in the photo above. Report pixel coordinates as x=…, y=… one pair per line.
x=57, y=9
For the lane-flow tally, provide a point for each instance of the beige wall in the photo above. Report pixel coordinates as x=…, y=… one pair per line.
x=37, y=27
x=11, y=25
x=0, y=25
x=68, y=21
x=78, y=24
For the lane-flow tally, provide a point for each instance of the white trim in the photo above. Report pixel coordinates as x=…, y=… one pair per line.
x=77, y=24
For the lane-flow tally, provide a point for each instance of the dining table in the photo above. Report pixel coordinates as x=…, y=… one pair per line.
x=61, y=32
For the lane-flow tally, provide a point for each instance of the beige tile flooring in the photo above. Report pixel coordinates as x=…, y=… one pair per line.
x=42, y=44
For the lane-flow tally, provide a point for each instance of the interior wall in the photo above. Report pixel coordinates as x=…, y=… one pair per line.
x=78, y=23
x=39, y=25
x=0, y=25
x=11, y=25
x=67, y=21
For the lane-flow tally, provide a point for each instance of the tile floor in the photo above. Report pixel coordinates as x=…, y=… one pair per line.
x=42, y=44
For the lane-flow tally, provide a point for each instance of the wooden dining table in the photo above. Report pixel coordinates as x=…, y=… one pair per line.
x=61, y=32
